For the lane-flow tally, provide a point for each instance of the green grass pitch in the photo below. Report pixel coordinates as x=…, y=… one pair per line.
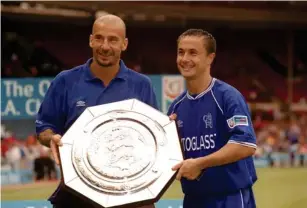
x=276, y=188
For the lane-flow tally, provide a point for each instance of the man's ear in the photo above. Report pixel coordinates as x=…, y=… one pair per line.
x=91, y=41
x=125, y=44
x=211, y=58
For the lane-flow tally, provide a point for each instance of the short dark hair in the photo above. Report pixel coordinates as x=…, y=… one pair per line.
x=210, y=44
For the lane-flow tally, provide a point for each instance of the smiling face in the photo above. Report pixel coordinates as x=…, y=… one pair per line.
x=193, y=56
x=108, y=40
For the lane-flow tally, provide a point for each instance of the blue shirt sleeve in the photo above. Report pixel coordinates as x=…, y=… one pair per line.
x=51, y=113
x=149, y=96
x=238, y=120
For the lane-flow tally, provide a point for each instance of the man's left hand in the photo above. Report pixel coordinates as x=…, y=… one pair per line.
x=190, y=169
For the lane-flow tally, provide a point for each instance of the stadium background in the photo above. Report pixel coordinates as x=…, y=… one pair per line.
x=261, y=50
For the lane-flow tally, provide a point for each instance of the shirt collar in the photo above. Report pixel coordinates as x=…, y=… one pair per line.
x=122, y=74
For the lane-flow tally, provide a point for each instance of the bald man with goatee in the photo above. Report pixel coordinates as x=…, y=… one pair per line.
x=103, y=79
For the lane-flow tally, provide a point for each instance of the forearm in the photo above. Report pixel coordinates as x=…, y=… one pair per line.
x=45, y=137
x=228, y=154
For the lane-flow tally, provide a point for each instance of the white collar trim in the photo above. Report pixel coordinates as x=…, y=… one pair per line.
x=202, y=93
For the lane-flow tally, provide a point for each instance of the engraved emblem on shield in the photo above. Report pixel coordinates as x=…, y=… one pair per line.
x=120, y=153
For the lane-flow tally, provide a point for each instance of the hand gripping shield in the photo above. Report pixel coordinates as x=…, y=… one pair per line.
x=120, y=153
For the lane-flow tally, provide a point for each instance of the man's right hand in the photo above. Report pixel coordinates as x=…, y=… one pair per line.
x=173, y=116
x=54, y=143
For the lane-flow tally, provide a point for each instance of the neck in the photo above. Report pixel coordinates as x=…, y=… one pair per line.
x=198, y=85
x=105, y=74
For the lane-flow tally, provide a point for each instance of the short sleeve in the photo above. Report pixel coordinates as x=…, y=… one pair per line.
x=51, y=114
x=238, y=120
x=149, y=95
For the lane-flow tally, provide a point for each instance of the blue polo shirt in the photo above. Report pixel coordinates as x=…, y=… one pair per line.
x=76, y=89
x=72, y=91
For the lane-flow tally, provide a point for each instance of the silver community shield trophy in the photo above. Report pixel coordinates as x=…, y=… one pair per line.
x=120, y=153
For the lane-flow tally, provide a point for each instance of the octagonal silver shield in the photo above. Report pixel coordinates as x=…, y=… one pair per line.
x=120, y=153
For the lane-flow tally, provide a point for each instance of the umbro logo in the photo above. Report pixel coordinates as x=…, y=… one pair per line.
x=180, y=123
x=80, y=103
